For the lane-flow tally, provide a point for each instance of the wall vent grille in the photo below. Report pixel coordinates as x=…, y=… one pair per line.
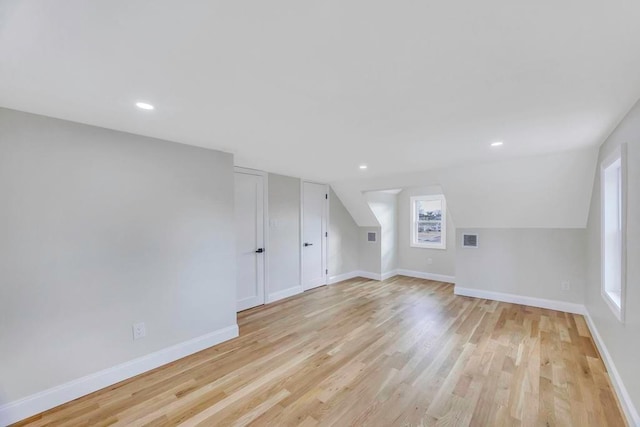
x=469, y=240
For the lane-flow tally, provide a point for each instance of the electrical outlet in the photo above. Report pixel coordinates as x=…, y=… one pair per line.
x=566, y=285
x=429, y=261
x=139, y=330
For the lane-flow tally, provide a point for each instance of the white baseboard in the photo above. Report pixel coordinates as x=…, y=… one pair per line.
x=343, y=277
x=388, y=274
x=31, y=405
x=285, y=293
x=369, y=275
x=568, y=307
x=354, y=274
x=628, y=408
x=427, y=276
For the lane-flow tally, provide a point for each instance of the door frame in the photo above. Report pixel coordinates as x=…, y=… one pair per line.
x=325, y=228
x=265, y=226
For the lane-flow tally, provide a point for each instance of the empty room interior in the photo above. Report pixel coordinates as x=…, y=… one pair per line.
x=334, y=213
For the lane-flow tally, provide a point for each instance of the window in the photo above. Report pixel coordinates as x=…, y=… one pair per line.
x=613, y=232
x=429, y=222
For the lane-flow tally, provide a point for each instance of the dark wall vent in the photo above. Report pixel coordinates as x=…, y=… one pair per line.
x=469, y=240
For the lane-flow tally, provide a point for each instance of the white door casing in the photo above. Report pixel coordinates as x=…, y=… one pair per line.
x=314, y=214
x=250, y=237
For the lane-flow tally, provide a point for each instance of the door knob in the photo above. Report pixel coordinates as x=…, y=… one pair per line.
x=260, y=250
x=308, y=244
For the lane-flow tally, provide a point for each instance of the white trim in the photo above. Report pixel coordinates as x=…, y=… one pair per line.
x=628, y=408
x=388, y=274
x=443, y=222
x=325, y=236
x=325, y=231
x=369, y=275
x=619, y=154
x=285, y=293
x=427, y=276
x=364, y=274
x=265, y=228
x=568, y=307
x=301, y=234
x=618, y=311
x=31, y=405
x=376, y=276
x=266, y=236
x=327, y=226
x=342, y=277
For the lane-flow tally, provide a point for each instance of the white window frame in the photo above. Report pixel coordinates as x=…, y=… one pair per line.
x=413, y=238
x=618, y=157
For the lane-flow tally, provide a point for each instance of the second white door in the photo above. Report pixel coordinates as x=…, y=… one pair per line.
x=314, y=237
x=249, y=226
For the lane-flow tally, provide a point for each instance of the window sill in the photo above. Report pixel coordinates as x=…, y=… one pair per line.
x=416, y=245
x=613, y=300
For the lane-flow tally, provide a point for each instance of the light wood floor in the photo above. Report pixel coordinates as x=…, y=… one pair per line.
x=403, y=352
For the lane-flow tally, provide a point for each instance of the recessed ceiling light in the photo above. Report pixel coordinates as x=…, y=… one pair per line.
x=496, y=144
x=363, y=166
x=144, y=106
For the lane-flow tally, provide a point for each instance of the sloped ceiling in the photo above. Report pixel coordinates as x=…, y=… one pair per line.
x=314, y=89
x=551, y=191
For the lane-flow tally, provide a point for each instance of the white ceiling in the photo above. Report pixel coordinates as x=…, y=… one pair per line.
x=546, y=191
x=314, y=89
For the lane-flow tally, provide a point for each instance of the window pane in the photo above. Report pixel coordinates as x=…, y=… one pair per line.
x=429, y=231
x=429, y=210
x=428, y=214
x=612, y=224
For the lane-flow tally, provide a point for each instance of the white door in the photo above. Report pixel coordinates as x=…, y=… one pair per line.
x=249, y=227
x=314, y=223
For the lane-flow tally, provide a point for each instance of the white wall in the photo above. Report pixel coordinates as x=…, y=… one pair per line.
x=343, y=239
x=385, y=207
x=530, y=262
x=100, y=229
x=353, y=192
x=284, y=237
x=443, y=261
x=284, y=233
x=621, y=339
x=369, y=258
x=549, y=191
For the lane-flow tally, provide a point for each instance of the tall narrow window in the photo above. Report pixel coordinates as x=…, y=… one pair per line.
x=429, y=222
x=613, y=232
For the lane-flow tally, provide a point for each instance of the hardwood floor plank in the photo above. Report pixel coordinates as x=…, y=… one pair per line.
x=403, y=352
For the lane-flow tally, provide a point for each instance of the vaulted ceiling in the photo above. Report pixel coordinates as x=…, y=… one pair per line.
x=546, y=191
x=314, y=89
x=415, y=90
